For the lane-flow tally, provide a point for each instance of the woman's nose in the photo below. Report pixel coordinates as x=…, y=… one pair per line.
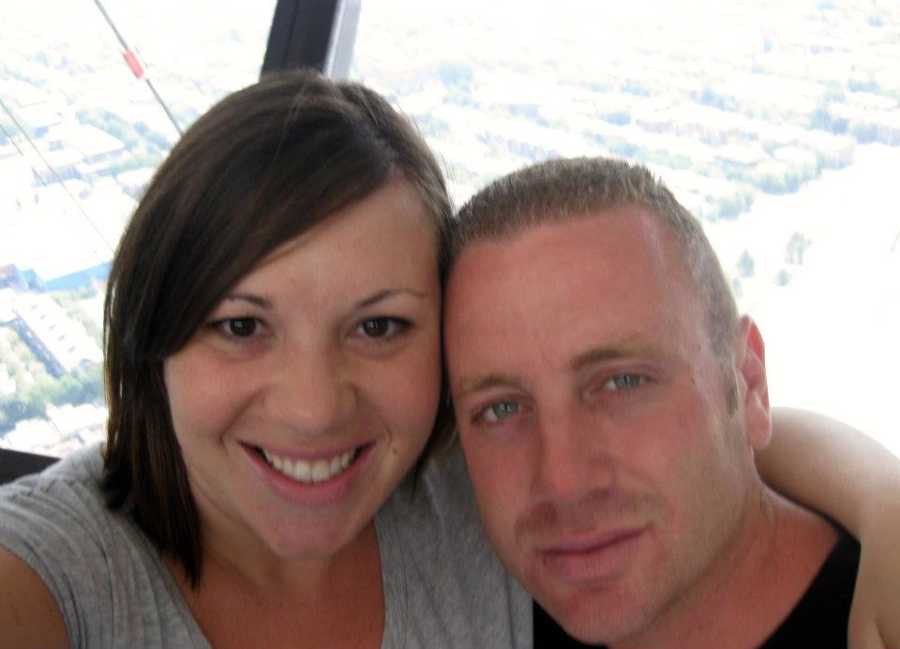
x=312, y=391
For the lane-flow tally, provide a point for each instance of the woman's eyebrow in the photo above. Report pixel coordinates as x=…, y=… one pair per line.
x=255, y=300
x=386, y=294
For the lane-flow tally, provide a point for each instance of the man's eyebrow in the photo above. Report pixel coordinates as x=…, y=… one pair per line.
x=601, y=355
x=469, y=385
x=622, y=349
x=618, y=350
x=375, y=298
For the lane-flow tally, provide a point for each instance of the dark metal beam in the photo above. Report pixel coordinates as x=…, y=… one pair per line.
x=300, y=34
x=15, y=464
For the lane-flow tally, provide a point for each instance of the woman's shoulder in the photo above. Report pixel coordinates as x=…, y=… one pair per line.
x=80, y=472
x=65, y=491
x=57, y=520
x=441, y=576
x=99, y=567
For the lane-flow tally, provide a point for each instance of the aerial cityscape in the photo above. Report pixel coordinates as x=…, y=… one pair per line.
x=776, y=123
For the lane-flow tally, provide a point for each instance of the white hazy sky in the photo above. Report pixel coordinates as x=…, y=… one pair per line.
x=832, y=332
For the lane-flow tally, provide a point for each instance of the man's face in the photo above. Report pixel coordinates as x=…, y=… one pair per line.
x=593, y=414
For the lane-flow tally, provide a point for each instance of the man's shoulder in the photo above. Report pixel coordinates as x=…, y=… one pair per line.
x=820, y=617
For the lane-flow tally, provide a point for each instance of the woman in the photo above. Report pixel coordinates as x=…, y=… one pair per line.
x=273, y=374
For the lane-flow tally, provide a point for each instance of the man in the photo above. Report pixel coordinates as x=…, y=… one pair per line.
x=609, y=401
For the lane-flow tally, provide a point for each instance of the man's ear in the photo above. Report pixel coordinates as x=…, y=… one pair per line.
x=751, y=373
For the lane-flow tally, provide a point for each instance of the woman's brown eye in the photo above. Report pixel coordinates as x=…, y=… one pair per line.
x=377, y=327
x=242, y=327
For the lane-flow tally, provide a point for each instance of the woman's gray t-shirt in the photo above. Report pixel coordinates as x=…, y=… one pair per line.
x=443, y=585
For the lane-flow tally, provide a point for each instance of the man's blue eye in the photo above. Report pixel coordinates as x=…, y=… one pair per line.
x=497, y=412
x=624, y=382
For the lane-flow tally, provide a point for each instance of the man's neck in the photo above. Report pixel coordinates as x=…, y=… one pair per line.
x=752, y=586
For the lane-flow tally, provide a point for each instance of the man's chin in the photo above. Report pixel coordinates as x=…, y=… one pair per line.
x=596, y=618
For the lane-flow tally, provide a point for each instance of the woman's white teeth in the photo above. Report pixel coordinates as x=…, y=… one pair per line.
x=310, y=471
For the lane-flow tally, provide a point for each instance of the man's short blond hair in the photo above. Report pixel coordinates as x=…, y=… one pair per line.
x=563, y=189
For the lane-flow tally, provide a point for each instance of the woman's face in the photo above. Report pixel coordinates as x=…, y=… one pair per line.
x=312, y=387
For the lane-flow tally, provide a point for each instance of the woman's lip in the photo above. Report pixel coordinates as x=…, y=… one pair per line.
x=307, y=455
x=325, y=493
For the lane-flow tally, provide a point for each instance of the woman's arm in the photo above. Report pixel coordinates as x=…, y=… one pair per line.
x=834, y=468
x=29, y=616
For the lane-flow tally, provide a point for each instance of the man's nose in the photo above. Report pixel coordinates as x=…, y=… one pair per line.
x=312, y=391
x=573, y=457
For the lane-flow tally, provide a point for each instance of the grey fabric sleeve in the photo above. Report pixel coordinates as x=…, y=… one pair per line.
x=108, y=581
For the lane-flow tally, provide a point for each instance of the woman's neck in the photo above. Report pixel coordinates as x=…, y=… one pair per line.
x=244, y=600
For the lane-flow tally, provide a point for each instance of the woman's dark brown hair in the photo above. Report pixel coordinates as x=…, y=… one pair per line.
x=261, y=167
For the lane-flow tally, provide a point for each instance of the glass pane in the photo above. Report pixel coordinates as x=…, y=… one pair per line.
x=777, y=123
x=82, y=133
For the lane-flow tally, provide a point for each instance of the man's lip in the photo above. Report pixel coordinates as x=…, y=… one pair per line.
x=581, y=543
x=597, y=558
